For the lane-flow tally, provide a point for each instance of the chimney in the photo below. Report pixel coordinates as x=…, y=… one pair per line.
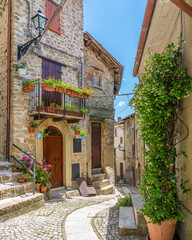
x=119, y=119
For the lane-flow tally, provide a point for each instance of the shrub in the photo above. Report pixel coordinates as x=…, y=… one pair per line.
x=125, y=202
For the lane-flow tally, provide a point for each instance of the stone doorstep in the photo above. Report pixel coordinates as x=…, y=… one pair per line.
x=101, y=183
x=96, y=170
x=105, y=190
x=98, y=176
x=5, y=166
x=13, y=189
x=18, y=205
x=9, y=176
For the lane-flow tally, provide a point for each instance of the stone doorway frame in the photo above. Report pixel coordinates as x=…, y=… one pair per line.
x=67, y=147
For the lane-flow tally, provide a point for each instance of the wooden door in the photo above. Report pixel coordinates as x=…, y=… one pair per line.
x=52, y=152
x=121, y=171
x=96, y=145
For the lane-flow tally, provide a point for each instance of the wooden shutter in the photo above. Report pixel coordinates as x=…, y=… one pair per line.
x=50, y=10
x=51, y=69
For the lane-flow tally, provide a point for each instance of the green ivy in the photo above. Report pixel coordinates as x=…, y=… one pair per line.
x=156, y=99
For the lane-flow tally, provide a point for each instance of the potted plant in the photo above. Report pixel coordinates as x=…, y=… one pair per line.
x=77, y=129
x=70, y=109
x=51, y=109
x=156, y=103
x=60, y=86
x=22, y=179
x=83, y=134
x=48, y=84
x=42, y=107
x=15, y=168
x=59, y=109
x=85, y=92
x=82, y=111
x=21, y=68
x=28, y=85
x=32, y=127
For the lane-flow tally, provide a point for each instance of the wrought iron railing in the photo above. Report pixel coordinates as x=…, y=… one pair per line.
x=46, y=102
x=20, y=163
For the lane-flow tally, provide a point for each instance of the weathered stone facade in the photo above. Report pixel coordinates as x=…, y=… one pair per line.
x=3, y=74
x=168, y=22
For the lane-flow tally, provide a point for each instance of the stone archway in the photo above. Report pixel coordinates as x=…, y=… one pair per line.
x=67, y=147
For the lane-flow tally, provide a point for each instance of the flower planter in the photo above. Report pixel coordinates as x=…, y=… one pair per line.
x=22, y=72
x=47, y=87
x=37, y=186
x=28, y=88
x=39, y=135
x=84, y=96
x=77, y=132
x=42, y=108
x=31, y=129
x=60, y=111
x=51, y=110
x=74, y=94
x=78, y=114
x=164, y=231
x=22, y=180
x=60, y=89
x=15, y=169
x=43, y=189
x=68, y=92
x=71, y=113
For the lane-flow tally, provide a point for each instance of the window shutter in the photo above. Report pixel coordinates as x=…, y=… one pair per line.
x=50, y=10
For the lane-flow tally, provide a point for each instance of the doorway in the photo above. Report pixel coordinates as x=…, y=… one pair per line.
x=96, y=145
x=53, y=154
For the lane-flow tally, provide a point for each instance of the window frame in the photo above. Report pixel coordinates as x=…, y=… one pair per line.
x=51, y=28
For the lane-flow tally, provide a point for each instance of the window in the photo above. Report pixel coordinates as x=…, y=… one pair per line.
x=52, y=69
x=121, y=140
x=97, y=80
x=50, y=10
x=76, y=145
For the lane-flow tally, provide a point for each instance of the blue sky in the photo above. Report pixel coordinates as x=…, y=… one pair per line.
x=116, y=24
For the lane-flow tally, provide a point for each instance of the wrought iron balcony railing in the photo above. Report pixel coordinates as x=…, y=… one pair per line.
x=54, y=103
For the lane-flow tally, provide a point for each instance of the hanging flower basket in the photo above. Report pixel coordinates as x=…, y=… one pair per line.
x=47, y=87
x=60, y=89
x=28, y=88
x=39, y=135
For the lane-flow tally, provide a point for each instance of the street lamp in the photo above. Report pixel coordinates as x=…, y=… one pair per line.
x=39, y=21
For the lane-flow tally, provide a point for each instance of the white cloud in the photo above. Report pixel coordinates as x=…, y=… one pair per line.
x=121, y=104
x=125, y=80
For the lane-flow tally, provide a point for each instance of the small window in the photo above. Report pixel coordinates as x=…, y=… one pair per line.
x=50, y=10
x=95, y=78
x=75, y=171
x=76, y=145
x=121, y=140
x=115, y=132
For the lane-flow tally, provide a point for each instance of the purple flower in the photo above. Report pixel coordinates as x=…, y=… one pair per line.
x=29, y=163
x=24, y=158
x=45, y=169
x=41, y=166
x=49, y=165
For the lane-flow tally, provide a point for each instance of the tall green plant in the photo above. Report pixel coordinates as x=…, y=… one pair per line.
x=161, y=86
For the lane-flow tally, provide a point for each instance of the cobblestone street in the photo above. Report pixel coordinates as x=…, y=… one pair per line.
x=48, y=222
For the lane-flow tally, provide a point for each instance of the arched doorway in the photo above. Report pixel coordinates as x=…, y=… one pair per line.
x=53, y=153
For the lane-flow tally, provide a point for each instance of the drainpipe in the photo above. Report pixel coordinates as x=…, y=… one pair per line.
x=8, y=80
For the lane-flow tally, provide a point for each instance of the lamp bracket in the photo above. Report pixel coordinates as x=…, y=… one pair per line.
x=21, y=50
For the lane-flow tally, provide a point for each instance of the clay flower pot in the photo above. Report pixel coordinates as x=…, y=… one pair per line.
x=47, y=87
x=28, y=88
x=60, y=89
x=42, y=108
x=43, y=189
x=165, y=231
x=77, y=132
x=74, y=94
x=15, y=169
x=31, y=129
x=22, y=180
x=37, y=186
x=68, y=92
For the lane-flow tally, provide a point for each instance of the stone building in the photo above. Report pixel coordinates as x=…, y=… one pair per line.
x=119, y=150
x=163, y=23
x=75, y=57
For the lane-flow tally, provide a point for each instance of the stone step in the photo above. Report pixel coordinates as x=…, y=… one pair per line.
x=101, y=183
x=96, y=170
x=105, y=190
x=2, y=158
x=127, y=220
x=13, y=189
x=12, y=207
x=97, y=176
x=9, y=176
x=5, y=166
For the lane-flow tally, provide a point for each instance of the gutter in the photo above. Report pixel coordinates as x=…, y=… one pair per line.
x=144, y=32
x=8, y=80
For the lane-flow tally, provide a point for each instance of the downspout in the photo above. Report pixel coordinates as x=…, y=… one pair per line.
x=8, y=80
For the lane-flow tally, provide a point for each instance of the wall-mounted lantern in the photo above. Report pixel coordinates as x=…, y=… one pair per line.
x=39, y=21
x=121, y=149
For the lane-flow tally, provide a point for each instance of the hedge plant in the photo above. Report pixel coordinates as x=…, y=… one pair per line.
x=156, y=99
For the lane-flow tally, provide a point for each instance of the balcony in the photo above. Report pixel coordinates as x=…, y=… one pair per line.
x=53, y=104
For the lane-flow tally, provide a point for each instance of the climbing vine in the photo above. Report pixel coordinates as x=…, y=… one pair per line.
x=156, y=99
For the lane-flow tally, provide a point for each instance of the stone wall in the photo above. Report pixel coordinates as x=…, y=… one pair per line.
x=3, y=75
x=70, y=41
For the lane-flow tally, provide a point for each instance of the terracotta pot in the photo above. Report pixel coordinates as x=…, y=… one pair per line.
x=15, y=169
x=78, y=114
x=71, y=113
x=85, y=96
x=60, y=111
x=165, y=231
x=31, y=129
x=68, y=92
x=77, y=132
x=37, y=186
x=22, y=180
x=43, y=189
x=42, y=108
x=51, y=110
x=47, y=87
x=28, y=88
x=74, y=94
x=60, y=89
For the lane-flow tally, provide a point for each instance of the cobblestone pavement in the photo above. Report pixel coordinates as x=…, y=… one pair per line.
x=45, y=223
x=105, y=225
